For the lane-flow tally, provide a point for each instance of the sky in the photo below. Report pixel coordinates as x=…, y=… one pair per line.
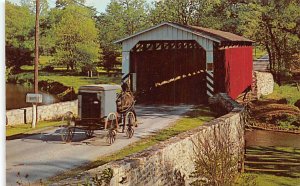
x=100, y=5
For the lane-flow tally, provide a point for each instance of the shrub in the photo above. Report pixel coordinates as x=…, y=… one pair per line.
x=215, y=161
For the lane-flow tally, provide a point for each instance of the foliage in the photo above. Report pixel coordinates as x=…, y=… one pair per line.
x=104, y=177
x=122, y=18
x=215, y=161
x=44, y=7
x=274, y=25
x=218, y=14
x=20, y=78
x=19, y=34
x=76, y=39
x=80, y=40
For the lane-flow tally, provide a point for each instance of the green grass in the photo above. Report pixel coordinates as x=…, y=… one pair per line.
x=288, y=91
x=252, y=179
x=64, y=78
x=26, y=128
x=44, y=60
x=27, y=67
x=258, y=52
x=77, y=81
x=192, y=120
x=268, y=154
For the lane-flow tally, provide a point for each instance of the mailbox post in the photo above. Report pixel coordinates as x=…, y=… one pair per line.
x=34, y=99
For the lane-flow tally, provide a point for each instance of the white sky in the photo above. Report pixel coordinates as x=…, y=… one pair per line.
x=100, y=5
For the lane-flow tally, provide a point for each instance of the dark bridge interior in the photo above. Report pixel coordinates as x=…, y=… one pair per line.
x=169, y=72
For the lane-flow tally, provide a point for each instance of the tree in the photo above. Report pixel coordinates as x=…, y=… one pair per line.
x=76, y=41
x=218, y=14
x=276, y=26
x=122, y=18
x=44, y=7
x=19, y=34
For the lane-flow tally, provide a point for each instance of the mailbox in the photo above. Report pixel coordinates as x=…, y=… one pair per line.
x=97, y=101
x=34, y=98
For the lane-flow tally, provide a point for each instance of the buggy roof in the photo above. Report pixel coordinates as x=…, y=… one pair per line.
x=99, y=87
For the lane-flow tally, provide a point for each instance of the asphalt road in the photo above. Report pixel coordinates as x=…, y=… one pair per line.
x=44, y=155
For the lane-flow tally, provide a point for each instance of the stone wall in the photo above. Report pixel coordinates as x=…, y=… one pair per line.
x=170, y=162
x=264, y=83
x=45, y=112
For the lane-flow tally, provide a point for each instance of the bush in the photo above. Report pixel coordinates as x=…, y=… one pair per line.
x=289, y=122
x=20, y=78
x=216, y=160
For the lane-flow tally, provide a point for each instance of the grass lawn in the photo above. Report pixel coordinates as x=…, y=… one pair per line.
x=191, y=120
x=288, y=91
x=282, y=155
x=77, y=81
x=26, y=128
x=252, y=179
x=66, y=79
x=258, y=52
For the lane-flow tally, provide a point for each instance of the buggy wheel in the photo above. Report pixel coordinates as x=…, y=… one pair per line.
x=129, y=132
x=89, y=133
x=130, y=119
x=111, y=136
x=67, y=127
x=68, y=119
x=111, y=122
x=130, y=122
x=67, y=133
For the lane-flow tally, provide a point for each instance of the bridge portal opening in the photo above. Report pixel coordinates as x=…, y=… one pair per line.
x=169, y=72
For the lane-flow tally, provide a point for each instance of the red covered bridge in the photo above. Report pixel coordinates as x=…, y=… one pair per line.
x=174, y=63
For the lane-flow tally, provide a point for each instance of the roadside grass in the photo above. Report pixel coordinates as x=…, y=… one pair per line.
x=26, y=128
x=197, y=117
x=288, y=91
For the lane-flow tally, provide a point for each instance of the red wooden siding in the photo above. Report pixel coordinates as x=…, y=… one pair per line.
x=238, y=70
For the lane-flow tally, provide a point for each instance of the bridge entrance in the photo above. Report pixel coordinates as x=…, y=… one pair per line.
x=169, y=72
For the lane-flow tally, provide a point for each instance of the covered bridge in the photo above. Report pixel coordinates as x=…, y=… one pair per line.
x=174, y=63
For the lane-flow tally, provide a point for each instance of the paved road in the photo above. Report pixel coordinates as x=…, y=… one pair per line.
x=45, y=155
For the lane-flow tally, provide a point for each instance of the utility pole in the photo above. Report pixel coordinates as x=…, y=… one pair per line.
x=36, y=62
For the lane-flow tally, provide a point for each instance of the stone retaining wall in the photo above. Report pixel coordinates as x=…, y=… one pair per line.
x=170, y=162
x=264, y=83
x=45, y=112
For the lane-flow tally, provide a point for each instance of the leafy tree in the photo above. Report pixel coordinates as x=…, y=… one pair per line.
x=122, y=18
x=64, y=3
x=76, y=38
x=44, y=7
x=19, y=35
x=218, y=14
x=276, y=26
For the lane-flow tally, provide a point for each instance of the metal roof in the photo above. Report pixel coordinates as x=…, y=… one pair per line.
x=99, y=87
x=212, y=34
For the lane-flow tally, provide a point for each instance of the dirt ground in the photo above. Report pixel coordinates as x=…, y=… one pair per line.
x=274, y=115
